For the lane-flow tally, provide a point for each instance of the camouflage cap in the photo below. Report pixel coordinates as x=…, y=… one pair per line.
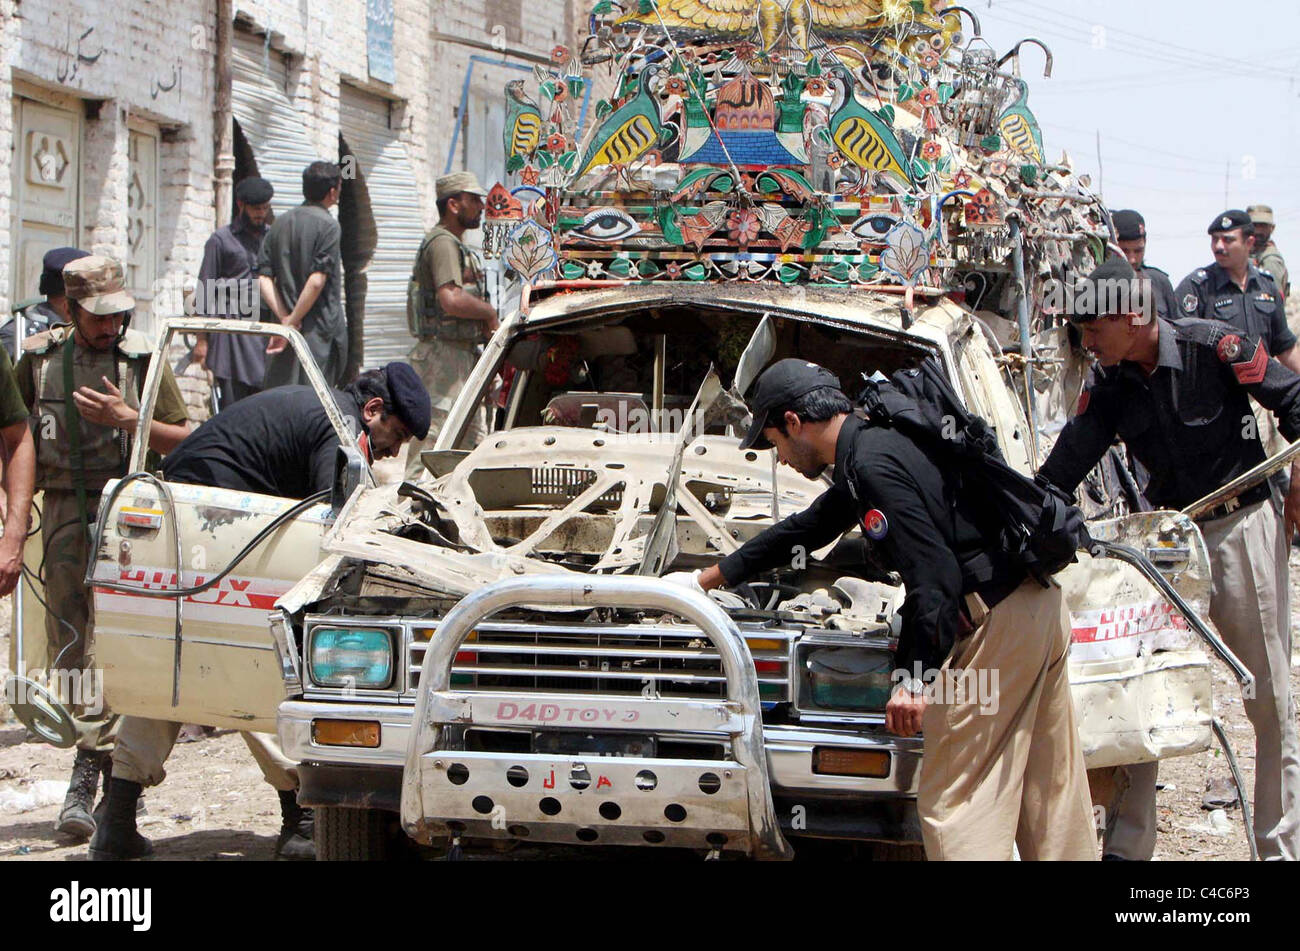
x=1260, y=214
x=458, y=182
x=98, y=285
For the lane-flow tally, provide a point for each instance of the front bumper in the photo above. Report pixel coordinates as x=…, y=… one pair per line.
x=808, y=802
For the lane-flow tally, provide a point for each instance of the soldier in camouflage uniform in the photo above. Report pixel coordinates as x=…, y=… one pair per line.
x=448, y=310
x=82, y=384
x=1265, y=253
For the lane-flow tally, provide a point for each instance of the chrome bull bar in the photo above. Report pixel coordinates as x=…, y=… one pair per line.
x=714, y=804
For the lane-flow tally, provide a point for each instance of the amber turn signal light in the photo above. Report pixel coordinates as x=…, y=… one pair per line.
x=345, y=733
x=827, y=760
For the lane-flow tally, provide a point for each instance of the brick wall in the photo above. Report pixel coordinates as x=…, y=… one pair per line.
x=156, y=65
x=8, y=31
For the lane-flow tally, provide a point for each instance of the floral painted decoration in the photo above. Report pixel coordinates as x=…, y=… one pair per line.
x=743, y=226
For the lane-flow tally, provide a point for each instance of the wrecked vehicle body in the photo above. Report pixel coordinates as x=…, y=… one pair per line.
x=488, y=653
x=535, y=693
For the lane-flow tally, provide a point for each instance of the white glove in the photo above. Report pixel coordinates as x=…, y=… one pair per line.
x=687, y=579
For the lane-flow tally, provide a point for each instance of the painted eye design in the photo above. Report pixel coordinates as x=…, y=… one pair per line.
x=873, y=227
x=606, y=224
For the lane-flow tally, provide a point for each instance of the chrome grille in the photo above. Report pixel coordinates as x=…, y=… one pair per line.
x=631, y=660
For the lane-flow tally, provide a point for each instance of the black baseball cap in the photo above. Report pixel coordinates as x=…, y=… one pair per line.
x=780, y=385
x=1233, y=218
x=1098, y=294
x=410, y=398
x=1129, y=225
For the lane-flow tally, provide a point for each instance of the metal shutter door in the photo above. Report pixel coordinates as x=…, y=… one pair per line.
x=385, y=168
x=270, y=123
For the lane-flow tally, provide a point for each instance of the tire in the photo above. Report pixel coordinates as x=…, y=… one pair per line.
x=354, y=835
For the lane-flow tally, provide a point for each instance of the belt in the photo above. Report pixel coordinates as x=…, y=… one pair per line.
x=1250, y=497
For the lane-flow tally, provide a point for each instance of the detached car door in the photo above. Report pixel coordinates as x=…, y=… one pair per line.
x=216, y=665
x=1140, y=676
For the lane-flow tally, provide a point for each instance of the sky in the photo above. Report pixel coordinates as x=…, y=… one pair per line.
x=1192, y=99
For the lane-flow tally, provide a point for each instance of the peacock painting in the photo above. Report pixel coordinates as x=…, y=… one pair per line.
x=1020, y=129
x=862, y=136
x=630, y=131
x=523, y=128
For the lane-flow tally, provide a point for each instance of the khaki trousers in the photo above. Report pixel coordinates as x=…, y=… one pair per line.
x=443, y=366
x=1131, y=814
x=144, y=745
x=1250, y=604
x=1011, y=771
x=70, y=616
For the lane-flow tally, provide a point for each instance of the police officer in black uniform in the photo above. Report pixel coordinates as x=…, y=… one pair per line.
x=280, y=442
x=1131, y=236
x=990, y=777
x=1178, y=395
x=277, y=442
x=1234, y=290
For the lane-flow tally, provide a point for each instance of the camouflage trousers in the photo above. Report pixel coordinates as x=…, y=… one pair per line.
x=443, y=366
x=144, y=745
x=69, y=617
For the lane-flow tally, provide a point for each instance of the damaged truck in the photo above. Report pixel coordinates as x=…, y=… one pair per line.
x=488, y=653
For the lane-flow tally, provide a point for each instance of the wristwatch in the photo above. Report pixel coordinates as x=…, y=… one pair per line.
x=913, y=685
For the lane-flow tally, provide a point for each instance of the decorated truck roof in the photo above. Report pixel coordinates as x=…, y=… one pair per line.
x=870, y=143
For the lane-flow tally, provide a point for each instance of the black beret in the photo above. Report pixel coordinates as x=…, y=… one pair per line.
x=1233, y=218
x=52, y=268
x=254, y=191
x=1109, y=290
x=410, y=398
x=1129, y=225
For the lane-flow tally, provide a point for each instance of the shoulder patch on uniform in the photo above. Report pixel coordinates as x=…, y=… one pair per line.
x=134, y=344
x=1189, y=303
x=1249, y=371
x=1229, y=348
x=875, y=525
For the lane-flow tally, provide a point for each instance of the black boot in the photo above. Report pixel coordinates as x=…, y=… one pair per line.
x=116, y=838
x=75, y=819
x=107, y=773
x=296, y=828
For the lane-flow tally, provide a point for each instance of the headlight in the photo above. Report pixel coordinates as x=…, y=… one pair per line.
x=351, y=657
x=845, y=680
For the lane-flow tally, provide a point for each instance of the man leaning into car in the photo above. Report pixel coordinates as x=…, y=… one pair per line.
x=990, y=776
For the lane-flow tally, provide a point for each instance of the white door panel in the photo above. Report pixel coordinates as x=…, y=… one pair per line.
x=1140, y=678
x=230, y=674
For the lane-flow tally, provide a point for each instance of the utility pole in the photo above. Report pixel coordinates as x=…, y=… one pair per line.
x=1101, y=172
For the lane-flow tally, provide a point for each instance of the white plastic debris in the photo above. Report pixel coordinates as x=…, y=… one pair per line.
x=1220, y=824
x=43, y=792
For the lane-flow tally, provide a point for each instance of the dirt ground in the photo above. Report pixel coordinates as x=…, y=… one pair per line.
x=215, y=806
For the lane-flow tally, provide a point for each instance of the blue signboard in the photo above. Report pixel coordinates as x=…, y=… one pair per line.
x=379, y=40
